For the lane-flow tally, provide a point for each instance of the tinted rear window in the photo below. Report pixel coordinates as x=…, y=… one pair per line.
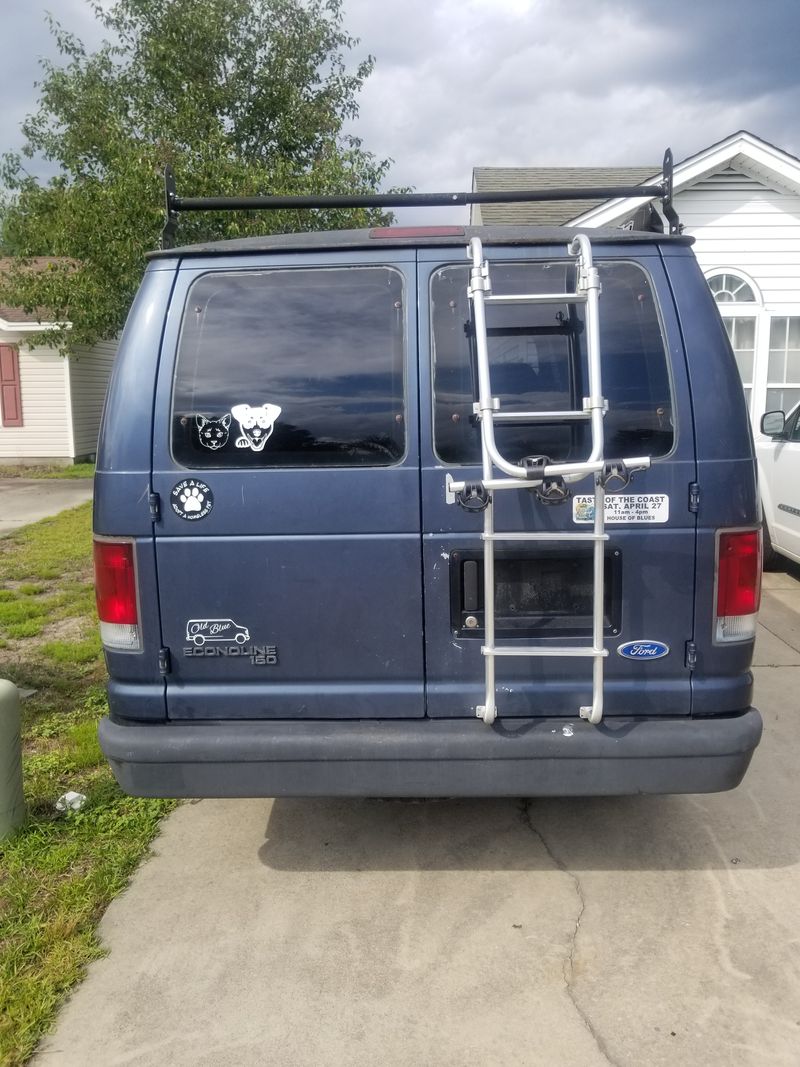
x=291, y=368
x=538, y=360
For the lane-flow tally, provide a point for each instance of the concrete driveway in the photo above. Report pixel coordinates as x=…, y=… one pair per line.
x=647, y=930
x=24, y=500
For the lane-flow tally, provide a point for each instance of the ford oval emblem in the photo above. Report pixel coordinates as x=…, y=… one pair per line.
x=643, y=650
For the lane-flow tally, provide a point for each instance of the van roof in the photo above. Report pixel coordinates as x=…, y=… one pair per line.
x=416, y=236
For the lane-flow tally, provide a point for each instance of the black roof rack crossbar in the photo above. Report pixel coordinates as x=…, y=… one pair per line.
x=176, y=204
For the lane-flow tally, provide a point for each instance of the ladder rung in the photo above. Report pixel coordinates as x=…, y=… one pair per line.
x=554, y=536
x=543, y=651
x=537, y=298
x=539, y=416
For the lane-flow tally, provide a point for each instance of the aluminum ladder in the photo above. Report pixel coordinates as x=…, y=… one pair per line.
x=521, y=476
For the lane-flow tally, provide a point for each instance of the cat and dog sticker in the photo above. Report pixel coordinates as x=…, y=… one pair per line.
x=255, y=427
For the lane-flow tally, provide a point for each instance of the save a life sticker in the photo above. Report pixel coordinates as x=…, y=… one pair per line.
x=624, y=507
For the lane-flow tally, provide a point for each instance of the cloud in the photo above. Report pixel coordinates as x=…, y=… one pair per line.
x=537, y=82
x=734, y=47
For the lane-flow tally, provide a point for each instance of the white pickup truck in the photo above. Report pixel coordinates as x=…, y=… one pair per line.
x=778, y=456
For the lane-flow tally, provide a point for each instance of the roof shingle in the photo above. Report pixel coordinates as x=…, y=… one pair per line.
x=550, y=212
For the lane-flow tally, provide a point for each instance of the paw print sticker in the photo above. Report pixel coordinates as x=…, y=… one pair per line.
x=191, y=499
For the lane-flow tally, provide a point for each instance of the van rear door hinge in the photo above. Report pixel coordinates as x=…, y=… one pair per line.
x=164, y=661
x=154, y=501
x=691, y=655
x=694, y=496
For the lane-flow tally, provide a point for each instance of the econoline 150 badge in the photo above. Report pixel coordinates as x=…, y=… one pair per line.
x=643, y=650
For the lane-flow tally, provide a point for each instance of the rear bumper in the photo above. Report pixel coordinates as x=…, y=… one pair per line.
x=424, y=757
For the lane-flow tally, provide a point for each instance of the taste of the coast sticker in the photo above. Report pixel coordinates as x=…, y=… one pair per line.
x=624, y=507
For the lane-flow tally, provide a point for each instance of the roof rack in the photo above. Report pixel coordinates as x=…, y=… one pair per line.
x=176, y=204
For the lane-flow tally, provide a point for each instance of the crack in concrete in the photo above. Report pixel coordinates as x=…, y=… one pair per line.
x=780, y=638
x=569, y=962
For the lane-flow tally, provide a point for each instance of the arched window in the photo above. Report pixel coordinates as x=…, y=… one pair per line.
x=730, y=289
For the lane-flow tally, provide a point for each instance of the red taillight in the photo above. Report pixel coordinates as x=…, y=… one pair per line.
x=738, y=584
x=115, y=584
x=739, y=576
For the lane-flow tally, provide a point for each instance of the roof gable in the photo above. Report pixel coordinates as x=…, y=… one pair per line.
x=742, y=153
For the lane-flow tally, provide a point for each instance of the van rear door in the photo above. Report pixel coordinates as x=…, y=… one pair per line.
x=285, y=459
x=544, y=592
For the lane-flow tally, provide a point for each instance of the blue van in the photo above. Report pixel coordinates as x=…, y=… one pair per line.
x=440, y=511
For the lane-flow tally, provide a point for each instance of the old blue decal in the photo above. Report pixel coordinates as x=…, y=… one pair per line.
x=643, y=650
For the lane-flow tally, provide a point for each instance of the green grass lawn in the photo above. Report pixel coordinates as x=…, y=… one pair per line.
x=59, y=871
x=75, y=470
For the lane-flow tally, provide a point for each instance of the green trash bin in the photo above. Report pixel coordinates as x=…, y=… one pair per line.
x=12, y=801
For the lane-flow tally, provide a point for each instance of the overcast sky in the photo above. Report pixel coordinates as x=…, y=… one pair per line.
x=463, y=83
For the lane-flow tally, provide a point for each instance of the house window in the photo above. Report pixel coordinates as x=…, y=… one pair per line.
x=10, y=395
x=739, y=306
x=742, y=334
x=783, y=373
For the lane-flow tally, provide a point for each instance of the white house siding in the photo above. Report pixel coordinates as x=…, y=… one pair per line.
x=738, y=222
x=743, y=225
x=89, y=370
x=45, y=433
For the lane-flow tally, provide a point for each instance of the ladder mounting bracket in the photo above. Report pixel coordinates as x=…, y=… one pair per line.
x=615, y=470
x=553, y=490
x=473, y=497
x=535, y=467
x=479, y=279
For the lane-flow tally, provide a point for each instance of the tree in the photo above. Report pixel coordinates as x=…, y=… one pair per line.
x=238, y=96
